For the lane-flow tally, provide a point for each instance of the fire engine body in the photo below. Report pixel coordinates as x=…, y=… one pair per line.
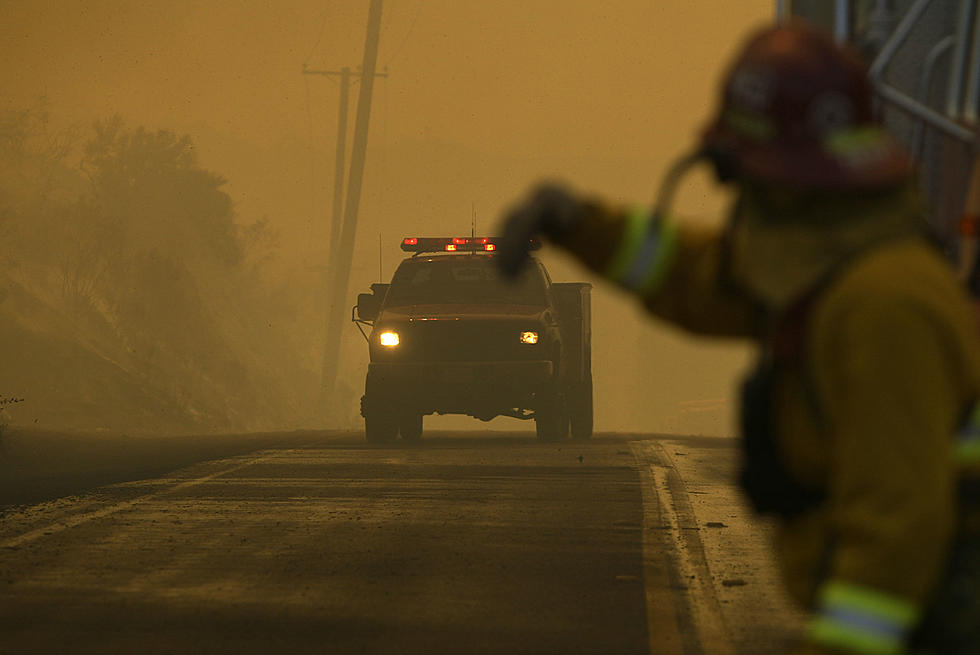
x=449, y=336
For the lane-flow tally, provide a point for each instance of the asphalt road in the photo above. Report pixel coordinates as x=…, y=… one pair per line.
x=321, y=543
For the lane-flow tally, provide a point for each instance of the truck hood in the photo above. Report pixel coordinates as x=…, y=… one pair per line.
x=410, y=313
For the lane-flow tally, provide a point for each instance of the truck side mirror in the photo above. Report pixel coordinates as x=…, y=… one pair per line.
x=368, y=306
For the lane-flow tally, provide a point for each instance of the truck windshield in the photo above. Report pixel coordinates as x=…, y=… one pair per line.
x=462, y=280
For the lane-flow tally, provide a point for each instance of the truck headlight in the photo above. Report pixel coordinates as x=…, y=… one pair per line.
x=388, y=338
x=529, y=337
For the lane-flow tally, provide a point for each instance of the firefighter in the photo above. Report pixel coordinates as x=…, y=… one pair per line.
x=856, y=423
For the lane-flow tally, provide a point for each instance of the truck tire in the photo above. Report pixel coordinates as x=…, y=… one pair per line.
x=380, y=427
x=551, y=418
x=410, y=426
x=380, y=421
x=580, y=410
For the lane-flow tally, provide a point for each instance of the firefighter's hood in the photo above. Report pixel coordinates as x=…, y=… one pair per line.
x=784, y=242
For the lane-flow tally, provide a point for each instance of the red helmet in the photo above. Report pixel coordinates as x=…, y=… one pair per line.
x=796, y=110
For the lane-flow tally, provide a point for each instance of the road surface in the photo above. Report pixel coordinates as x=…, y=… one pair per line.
x=481, y=542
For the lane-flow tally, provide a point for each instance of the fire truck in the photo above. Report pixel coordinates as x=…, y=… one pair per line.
x=449, y=335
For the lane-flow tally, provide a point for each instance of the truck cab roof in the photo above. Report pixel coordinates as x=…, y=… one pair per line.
x=464, y=278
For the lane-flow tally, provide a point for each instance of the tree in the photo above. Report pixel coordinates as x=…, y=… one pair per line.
x=36, y=182
x=151, y=184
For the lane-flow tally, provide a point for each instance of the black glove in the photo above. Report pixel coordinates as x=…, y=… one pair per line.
x=551, y=212
x=724, y=163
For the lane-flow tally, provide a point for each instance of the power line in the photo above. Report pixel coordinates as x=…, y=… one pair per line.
x=323, y=26
x=418, y=11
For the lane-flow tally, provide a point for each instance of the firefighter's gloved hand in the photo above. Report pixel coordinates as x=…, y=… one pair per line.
x=551, y=211
x=723, y=162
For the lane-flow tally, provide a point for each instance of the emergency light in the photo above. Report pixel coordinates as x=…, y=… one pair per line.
x=455, y=244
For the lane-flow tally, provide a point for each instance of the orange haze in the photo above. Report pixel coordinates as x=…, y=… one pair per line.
x=481, y=100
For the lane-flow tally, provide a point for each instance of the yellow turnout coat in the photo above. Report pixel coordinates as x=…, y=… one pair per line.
x=869, y=408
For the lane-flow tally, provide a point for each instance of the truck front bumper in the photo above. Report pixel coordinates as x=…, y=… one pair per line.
x=477, y=388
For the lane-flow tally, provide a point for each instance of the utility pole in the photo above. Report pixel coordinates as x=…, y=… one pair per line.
x=342, y=244
x=340, y=160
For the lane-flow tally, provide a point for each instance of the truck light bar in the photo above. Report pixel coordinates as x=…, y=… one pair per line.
x=455, y=244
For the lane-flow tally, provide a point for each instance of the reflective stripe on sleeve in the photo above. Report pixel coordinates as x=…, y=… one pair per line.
x=637, y=222
x=660, y=258
x=968, y=453
x=644, y=254
x=862, y=620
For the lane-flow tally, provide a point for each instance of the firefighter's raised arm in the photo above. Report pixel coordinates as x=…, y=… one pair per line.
x=677, y=271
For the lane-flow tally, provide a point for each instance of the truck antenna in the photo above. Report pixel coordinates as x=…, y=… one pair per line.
x=472, y=220
x=381, y=273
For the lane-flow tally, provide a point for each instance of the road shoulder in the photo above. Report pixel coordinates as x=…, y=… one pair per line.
x=723, y=569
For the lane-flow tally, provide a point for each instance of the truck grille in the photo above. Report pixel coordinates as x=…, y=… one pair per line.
x=453, y=341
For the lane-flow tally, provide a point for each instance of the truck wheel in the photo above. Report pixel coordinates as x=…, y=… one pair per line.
x=379, y=428
x=410, y=426
x=551, y=418
x=580, y=410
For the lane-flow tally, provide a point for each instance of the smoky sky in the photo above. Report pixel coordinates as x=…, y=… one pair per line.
x=481, y=99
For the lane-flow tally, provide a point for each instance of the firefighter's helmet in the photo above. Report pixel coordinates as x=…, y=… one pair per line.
x=796, y=109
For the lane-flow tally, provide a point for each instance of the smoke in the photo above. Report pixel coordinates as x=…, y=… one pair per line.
x=131, y=299
x=480, y=101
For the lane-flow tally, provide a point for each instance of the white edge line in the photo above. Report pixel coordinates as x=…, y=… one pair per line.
x=75, y=521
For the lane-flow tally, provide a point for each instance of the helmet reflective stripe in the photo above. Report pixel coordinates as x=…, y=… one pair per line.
x=859, y=146
x=859, y=139
x=753, y=126
x=644, y=254
x=862, y=620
